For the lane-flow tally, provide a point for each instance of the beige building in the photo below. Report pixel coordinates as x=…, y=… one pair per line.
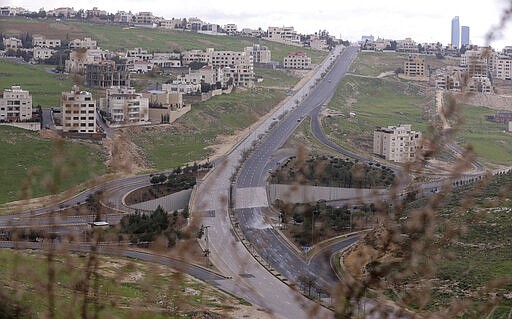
x=86, y=43
x=42, y=42
x=297, y=60
x=165, y=107
x=259, y=53
x=396, y=143
x=415, y=66
x=476, y=62
x=12, y=43
x=125, y=106
x=65, y=12
x=15, y=104
x=318, y=44
x=286, y=35
x=197, y=56
x=78, y=111
x=480, y=84
x=144, y=18
x=407, y=45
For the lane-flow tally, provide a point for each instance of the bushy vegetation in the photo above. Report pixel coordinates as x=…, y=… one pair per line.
x=147, y=227
x=312, y=223
x=333, y=172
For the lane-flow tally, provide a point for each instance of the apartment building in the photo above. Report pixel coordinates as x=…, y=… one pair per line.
x=165, y=107
x=86, y=43
x=503, y=67
x=15, y=104
x=105, y=74
x=125, y=106
x=259, y=53
x=138, y=54
x=40, y=54
x=197, y=56
x=231, y=28
x=396, y=143
x=206, y=74
x=415, y=66
x=476, y=62
x=78, y=111
x=507, y=51
x=236, y=65
x=297, y=60
x=286, y=35
x=43, y=42
x=12, y=43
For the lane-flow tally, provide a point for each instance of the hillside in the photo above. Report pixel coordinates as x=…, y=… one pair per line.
x=114, y=37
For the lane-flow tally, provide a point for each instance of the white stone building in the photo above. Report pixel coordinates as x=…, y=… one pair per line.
x=12, y=43
x=396, y=143
x=15, y=104
x=40, y=54
x=125, y=106
x=43, y=42
x=86, y=43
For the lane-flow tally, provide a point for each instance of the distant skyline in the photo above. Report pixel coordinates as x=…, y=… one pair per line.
x=425, y=21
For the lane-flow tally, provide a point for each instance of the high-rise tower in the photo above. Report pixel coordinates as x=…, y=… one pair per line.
x=464, y=35
x=455, y=32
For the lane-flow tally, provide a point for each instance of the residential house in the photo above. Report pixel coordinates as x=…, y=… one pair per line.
x=396, y=143
x=231, y=28
x=407, y=46
x=182, y=87
x=286, y=35
x=165, y=107
x=255, y=33
x=297, y=60
x=64, y=12
x=43, y=42
x=78, y=111
x=41, y=54
x=144, y=19
x=15, y=105
x=12, y=43
x=171, y=24
x=86, y=43
x=123, y=17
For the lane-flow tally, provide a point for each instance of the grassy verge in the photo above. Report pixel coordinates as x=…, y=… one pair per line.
x=276, y=78
x=113, y=37
x=391, y=101
x=126, y=288
x=189, y=139
x=375, y=63
x=28, y=161
x=44, y=87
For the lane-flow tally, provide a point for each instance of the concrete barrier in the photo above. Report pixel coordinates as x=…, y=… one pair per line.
x=169, y=203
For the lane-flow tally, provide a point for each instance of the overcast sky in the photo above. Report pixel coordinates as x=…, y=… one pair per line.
x=424, y=21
